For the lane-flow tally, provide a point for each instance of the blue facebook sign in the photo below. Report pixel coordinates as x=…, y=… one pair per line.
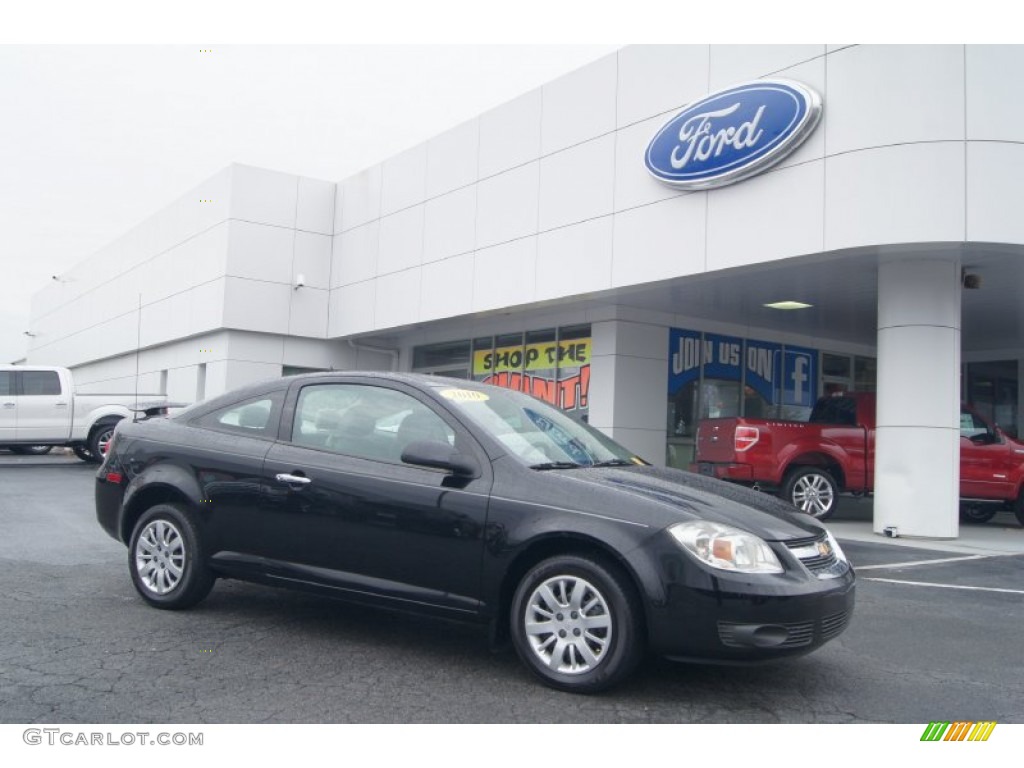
x=800, y=377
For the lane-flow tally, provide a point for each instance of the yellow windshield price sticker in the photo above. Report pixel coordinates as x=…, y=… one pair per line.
x=464, y=395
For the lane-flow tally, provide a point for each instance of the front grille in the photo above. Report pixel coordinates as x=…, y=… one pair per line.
x=834, y=624
x=807, y=551
x=798, y=633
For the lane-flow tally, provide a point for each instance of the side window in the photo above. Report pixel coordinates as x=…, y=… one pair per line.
x=257, y=417
x=971, y=425
x=40, y=383
x=6, y=383
x=367, y=421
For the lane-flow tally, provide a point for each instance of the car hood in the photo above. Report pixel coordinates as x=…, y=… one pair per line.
x=667, y=496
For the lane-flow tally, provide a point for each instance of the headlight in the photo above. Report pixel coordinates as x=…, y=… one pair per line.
x=835, y=546
x=725, y=547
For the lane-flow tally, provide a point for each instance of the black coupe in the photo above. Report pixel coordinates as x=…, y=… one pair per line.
x=469, y=501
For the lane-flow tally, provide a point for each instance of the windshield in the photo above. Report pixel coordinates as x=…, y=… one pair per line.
x=539, y=434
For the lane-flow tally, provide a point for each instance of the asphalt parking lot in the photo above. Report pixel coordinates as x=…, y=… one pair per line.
x=77, y=645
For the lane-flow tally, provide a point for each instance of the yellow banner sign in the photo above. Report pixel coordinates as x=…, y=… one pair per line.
x=533, y=357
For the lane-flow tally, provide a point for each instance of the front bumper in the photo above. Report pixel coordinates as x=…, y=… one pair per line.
x=702, y=614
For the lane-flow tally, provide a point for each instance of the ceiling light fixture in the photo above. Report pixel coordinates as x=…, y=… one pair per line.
x=788, y=305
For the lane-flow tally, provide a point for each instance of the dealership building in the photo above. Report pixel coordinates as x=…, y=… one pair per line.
x=612, y=242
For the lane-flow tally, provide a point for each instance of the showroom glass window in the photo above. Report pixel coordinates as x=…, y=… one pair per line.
x=552, y=364
x=713, y=376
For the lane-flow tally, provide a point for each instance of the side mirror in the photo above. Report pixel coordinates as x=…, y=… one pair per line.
x=436, y=455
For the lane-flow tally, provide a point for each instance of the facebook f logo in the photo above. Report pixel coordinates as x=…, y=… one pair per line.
x=800, y=377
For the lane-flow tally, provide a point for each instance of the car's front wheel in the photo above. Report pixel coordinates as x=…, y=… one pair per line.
x=576, y=625
x=166, y=558
x=812, y=490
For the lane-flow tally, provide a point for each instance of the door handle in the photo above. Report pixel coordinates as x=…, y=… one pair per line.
x=61, y=405
x=8, y=405
x=292, y=479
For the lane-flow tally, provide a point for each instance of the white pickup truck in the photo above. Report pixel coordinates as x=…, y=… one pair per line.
x=39, y=407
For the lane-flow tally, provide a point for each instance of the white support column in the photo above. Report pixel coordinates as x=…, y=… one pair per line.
x=629, y=385
x=917, y=447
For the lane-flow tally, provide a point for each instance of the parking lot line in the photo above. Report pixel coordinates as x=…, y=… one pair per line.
x=922, y=562
x=948, y=586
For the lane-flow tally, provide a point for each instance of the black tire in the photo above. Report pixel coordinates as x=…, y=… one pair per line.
x=812, y=490
x=165, y=539
x=977, y=514
x=100, y=439
x=83, y=452
x=1018, y=508
x=31, y=450
x=610, y=596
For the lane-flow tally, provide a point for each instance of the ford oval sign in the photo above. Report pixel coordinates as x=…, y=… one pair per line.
x=733, y=134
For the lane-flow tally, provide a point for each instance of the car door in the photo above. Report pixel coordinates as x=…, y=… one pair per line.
x=8, y=407
x=986, y=460
x=360, y=520
x=44, y=411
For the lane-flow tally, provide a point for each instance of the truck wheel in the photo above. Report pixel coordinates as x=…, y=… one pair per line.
x=812, y=490
x=1018, y=508
x=82, y=452
x=100, y=439
x=977, y=513
x=31, y=450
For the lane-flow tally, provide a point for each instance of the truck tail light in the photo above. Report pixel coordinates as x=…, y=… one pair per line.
x=745, y=438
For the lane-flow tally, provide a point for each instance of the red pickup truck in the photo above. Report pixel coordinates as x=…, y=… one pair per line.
x=810, y=463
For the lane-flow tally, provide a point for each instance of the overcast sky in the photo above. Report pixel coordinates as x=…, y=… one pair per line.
x=94, y=139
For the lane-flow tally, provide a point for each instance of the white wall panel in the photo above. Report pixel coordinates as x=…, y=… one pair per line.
x=507, y=206
x=359, y=199
x=640, y=398
x=315, y=212
x=634, y=185
x=579, y=106
x=312, y=259
x=450, y=224
x=307, y=315
x=447, y=289
x=352, y=309
x=898, y=194
x=577, y=184
x=504, y=275
x=452, y=159
x=354, y=257
x=994, y=173
x=404, y=180
x=257, y=347
x=654, y=79
x=776, y=215
x=995, y=112
x=401, y=240
x=398, y=299
x=811, y=73
x=252, y=305
x=242, y=372
x=260, y=252
x=263, y=196
x=659, y=241
x=575, y=260
x=510, y=134
x=879, y=95
x=735, y=64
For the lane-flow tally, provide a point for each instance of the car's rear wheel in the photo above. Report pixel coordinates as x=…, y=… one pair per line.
x=166, y=558
x=1018, y=508
x=575, y=623
x=977, y=513
x=812, y=490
